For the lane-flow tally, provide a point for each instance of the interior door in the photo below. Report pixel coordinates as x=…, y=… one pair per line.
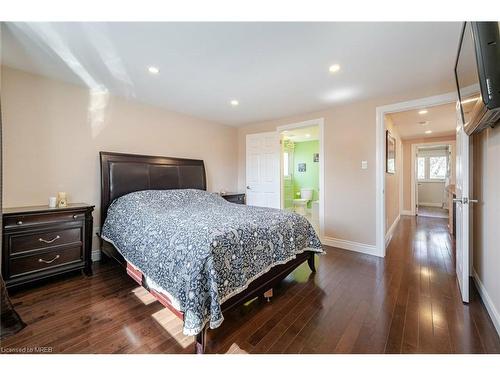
x=263, y=170
x=462, y=209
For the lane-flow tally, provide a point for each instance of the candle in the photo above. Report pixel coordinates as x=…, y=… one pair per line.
x=52, y=202
x=62, y=200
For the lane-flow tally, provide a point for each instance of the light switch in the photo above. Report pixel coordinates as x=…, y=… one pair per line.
x=364, y=164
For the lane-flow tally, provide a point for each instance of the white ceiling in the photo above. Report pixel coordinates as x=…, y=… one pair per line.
x=441, y=120
x=272, y=69
x=310, y=133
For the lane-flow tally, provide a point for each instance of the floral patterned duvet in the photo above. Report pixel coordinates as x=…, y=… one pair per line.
x=200, y=249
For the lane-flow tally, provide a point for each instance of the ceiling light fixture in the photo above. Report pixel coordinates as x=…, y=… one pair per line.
x=428, y=131
x=334, y=68
x=422, y=112
x=234, y=102
x=153, y=70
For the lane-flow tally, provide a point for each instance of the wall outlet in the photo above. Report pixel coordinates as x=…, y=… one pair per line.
x=364, y=164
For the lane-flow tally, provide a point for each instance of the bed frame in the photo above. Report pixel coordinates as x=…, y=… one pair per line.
x=125, y=173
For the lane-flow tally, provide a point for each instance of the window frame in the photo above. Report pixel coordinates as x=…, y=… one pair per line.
x=427, y=169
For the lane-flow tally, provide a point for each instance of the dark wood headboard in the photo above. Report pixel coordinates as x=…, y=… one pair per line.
x=125, y=173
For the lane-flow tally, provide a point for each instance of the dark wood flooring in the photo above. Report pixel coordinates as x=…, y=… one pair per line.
x=432, y=212
x=406, y=303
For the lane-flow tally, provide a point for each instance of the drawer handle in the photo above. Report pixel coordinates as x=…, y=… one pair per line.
x=48, y=261
x=77, y=216
x=20, y=222
x=49, y=241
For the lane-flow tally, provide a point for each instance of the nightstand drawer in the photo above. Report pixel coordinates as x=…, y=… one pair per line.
x=41, y=240
x=42, y=261
x=21, y=221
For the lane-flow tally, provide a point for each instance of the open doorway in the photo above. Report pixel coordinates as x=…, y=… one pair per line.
x=302, y=170
x=420, y=165
x=433, y=167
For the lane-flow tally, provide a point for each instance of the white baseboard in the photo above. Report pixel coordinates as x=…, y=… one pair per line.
x=350, y=245
x=430, y=204
x=490, y=307
x=390, y=231
x=96, y=255
x=407, y=213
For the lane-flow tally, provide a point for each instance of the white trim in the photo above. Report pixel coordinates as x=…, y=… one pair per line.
x=429, y=204
x=490, y=307
x=390, y=231
x=322, y=158
x=96, y=255
x=380, y=112
x=407, y=213
x=350, y=245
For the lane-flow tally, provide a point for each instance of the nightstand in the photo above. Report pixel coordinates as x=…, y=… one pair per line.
x=39, y=242
x=238, y=198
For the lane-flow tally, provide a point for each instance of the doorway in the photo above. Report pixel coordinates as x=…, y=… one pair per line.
x=302, y=170
x=434, y=178
x=265, y=164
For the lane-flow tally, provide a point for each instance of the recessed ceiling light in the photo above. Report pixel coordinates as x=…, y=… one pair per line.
x=234, y=102
x=422, y=112
x=153, y=70
x=334, y=68
x=428, y=131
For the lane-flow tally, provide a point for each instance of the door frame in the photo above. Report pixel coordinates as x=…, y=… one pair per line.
x=413, y=172
x=380, y=112
x=303, y=124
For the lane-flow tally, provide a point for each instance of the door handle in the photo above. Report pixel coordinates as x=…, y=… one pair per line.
x=465, y=200
x=49, y=241
x=248, y=187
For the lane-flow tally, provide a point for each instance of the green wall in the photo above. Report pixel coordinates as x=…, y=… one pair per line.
x=304, y=153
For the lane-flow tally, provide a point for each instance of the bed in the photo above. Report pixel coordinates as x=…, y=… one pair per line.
x=198, y=254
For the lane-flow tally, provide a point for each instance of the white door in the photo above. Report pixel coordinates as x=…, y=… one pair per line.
x=263, y=170
x=462, y=210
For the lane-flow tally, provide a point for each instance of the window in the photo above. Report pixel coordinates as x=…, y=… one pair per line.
x=421, y=168
x=438, y=167
x=432, y=167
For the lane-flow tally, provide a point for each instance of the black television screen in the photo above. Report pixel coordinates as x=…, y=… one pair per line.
x=477, y=73
x=467, y=75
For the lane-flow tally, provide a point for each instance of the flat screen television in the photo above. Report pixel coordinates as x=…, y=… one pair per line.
x=477, y=75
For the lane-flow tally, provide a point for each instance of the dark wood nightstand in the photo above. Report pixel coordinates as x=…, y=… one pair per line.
x=238, y=198
x=40, y=242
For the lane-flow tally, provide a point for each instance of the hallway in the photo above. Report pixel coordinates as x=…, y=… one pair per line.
x=355, y=303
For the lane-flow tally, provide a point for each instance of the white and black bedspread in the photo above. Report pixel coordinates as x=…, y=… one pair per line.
x=200, y=249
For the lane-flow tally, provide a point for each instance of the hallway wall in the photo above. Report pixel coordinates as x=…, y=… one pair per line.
x=392, y=181
x=486, y=219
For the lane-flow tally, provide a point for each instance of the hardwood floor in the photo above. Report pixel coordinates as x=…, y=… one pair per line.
x=406, y=303
x=432, y=212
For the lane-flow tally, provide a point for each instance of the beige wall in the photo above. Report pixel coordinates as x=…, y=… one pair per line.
x=486, y=217
x=392, y=181
x=350, y=203
x=53, y=133
x=407, y=167
x=431, y=193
